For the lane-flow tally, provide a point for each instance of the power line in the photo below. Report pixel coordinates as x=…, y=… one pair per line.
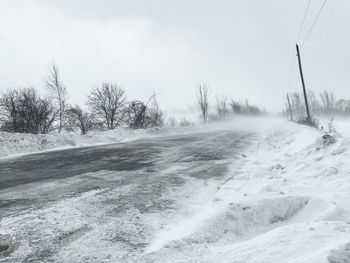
x=298, y=36
x=303, y=21
x=314, y=22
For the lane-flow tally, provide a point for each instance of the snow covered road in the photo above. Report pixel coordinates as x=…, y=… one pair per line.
x=272, y=191
x=108, y=203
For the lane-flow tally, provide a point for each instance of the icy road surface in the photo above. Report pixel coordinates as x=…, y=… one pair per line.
x=116, y=203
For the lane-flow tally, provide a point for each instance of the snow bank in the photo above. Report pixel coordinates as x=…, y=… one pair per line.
x=19, y=143
x=293, y=162
x=12, y=144
x=288, y=201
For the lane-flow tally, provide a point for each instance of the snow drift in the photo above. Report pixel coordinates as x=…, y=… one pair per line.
x=288, y=201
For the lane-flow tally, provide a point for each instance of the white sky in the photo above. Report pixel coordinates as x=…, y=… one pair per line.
x=242, y=49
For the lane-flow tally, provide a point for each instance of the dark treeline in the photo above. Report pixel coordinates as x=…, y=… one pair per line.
x=23, y=110
x=324, y=103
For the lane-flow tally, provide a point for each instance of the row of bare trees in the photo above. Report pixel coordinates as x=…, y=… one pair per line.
x=224, y=106
x=23, y=110
x=323, y=104
x=109, y=104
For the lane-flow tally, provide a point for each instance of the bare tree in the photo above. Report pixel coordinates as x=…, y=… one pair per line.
x=10, y=110
x=343, y=106
x=108, y=102
x=313, y=101
x=136, y=114
x=145, y=115
x=202, y=100
x=236, y=107
x=221, y=107
x=328, y=100
x=58, y=91
x=296, y=103
x=252, y=109
x=81, y=119
x=171, y=121
x=154, y=114
x=24, y=111
x=246, y=108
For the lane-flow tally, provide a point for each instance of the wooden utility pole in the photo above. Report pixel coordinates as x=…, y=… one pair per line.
x=290, y=108
x=303, y=83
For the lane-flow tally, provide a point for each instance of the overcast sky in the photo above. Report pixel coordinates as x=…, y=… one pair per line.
x=242, y=49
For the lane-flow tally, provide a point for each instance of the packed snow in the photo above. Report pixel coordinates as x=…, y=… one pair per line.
x=286, y=199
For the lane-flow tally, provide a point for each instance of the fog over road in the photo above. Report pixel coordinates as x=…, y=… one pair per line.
x=111, y=203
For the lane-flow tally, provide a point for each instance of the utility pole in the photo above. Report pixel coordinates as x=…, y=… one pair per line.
x=303, y=83
x=290, y=108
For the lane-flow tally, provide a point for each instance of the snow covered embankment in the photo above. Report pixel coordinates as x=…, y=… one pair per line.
x=310, y=183
x=289, y=201
x=19, y=143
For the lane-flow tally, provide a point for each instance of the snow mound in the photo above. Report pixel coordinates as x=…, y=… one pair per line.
x=289, y=201
x=242, y=219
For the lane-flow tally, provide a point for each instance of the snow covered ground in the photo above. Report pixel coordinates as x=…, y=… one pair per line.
x=13, y=144
x=287, y=199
